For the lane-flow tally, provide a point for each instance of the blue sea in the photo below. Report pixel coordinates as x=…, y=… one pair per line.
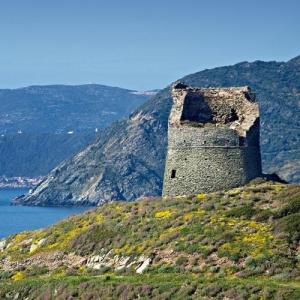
x=14, y=219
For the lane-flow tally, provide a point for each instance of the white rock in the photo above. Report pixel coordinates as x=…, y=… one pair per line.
x=122, y=263
x=143, y=266
x=25, y=243
x=96, y=258
x=33, y=247
x=2, y=244
x=134, y=262
x=142, y=258
x=95, y=262
x=42, y=242
x=96, y=266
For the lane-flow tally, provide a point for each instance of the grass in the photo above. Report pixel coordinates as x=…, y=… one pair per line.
x=225, y=244
x=154, y=286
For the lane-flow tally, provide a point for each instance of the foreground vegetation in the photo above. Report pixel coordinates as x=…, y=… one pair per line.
x=237, y=244
x=150, y=286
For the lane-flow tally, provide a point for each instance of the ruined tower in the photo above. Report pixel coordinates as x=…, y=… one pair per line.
x=213, y=140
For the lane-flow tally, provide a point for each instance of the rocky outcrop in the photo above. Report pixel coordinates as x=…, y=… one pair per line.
x=54, y=259
x=127, y=160
x=119, y=262
x=2, y=244
x=50, y=260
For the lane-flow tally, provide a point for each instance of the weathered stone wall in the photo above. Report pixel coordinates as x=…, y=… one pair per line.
x=210, y=157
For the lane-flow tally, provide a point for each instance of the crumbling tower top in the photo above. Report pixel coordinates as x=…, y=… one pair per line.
x=233, y=108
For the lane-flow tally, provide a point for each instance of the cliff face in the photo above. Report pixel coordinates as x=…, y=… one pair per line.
x=127, y=160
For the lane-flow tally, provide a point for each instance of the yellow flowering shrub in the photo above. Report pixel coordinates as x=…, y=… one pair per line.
x=18, y=276
x=201, y=196
x=126, y=249
x=234, y=192
x=99, y=218
x=20, y=237
x=277, y=187
x=245, y=194
x=163, y=214
x=190, y=215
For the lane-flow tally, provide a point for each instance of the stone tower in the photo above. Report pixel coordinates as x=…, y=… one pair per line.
x=213, y=140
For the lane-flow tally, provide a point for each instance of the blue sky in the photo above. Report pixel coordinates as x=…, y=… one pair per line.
x=139, y=44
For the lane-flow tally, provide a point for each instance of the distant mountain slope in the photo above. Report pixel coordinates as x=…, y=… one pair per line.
x=127, y=160
x=42, y=125
x=63, y=108
x=31, y=155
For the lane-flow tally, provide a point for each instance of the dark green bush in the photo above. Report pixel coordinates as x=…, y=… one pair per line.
x=5, y=275
x=293, y=206
x=263, y=215
x=246, y=211
x=37, y=270
x=291, y=225
x=182, y=260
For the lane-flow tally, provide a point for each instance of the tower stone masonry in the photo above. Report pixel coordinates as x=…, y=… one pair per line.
x=213, y=140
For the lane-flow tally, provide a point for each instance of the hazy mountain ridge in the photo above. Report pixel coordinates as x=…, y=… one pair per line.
x=42, y=125
x=127, y=160
x=64, y=108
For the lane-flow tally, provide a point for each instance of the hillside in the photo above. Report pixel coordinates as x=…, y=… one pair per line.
x=127, y=160
x=42, y=125
x=35, y=154
x=241, y=243
x=63, y=108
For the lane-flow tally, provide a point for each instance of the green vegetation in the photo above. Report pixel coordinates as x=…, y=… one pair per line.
x=240, y=244
x=161, y=286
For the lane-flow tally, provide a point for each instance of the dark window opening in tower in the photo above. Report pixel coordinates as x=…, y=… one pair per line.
x=196, y=109
x=233, y=115
x=173, y=174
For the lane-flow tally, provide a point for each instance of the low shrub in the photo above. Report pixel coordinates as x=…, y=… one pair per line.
x=293, y=206
x=182, y=260
x=246, y=211
x=5, y=275
x=291, y=225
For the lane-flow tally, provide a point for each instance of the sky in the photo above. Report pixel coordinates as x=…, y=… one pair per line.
x=139, y=45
